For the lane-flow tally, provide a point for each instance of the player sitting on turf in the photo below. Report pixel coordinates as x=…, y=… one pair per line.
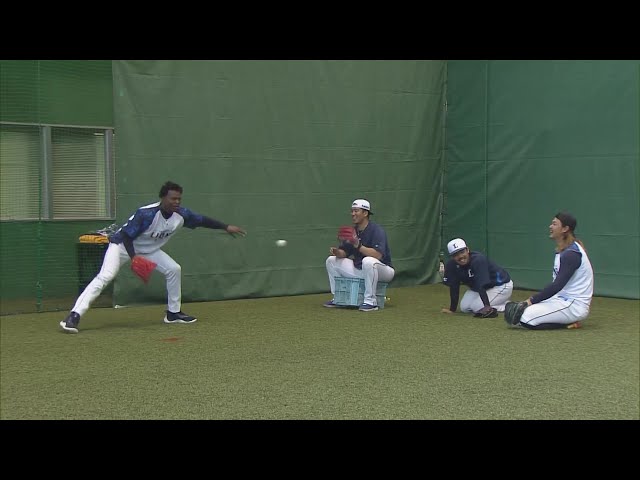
x=565, y=301
x=490, y=285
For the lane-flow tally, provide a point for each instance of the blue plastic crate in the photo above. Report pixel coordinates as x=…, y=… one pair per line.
x=350, y=292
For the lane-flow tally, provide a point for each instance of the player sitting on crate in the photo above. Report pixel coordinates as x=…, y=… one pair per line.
x=363, y=253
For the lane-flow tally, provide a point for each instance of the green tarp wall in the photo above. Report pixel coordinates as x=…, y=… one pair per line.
x=526, y=139
x=281, y=148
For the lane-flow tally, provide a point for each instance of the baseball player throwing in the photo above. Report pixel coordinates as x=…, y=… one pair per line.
x=140, y=240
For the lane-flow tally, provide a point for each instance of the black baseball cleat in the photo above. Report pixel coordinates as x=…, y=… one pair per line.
x=365, y=307
x=179, y=317
x=70, y=324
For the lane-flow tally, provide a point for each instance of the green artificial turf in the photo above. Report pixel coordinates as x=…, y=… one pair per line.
x=290, y=358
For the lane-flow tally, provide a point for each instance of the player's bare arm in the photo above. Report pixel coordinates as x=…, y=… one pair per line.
x=233, y=230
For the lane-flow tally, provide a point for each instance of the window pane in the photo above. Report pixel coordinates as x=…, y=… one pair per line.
x=78, y=173
x=20, y=154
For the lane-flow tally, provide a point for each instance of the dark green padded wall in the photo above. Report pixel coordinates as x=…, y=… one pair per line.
x=525, y=139
x=281, y=148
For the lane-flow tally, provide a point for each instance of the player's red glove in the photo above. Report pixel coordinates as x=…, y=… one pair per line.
x=142, y=267
x=348, y=234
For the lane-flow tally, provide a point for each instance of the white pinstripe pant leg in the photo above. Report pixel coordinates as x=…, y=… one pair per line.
x=173, y=273
x=115, y=256
x=498, y=296
x=341, y=267
x=374, y=271
x=555, y=310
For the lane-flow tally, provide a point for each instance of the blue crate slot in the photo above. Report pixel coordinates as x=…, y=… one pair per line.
x=350, y=292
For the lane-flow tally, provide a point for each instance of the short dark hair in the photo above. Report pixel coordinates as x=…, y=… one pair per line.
x=567, y=220
x=169, y=186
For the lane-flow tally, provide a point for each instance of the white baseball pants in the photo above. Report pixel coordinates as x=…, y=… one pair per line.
x=114, y=258
x=555, y=310
x=498, y=297
x=373, y=271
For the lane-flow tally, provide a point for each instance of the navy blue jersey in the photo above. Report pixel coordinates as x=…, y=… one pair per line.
x=479, y=274
x=373, y=236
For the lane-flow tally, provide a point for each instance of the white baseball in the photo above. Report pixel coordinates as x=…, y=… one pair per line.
x=281, y=243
